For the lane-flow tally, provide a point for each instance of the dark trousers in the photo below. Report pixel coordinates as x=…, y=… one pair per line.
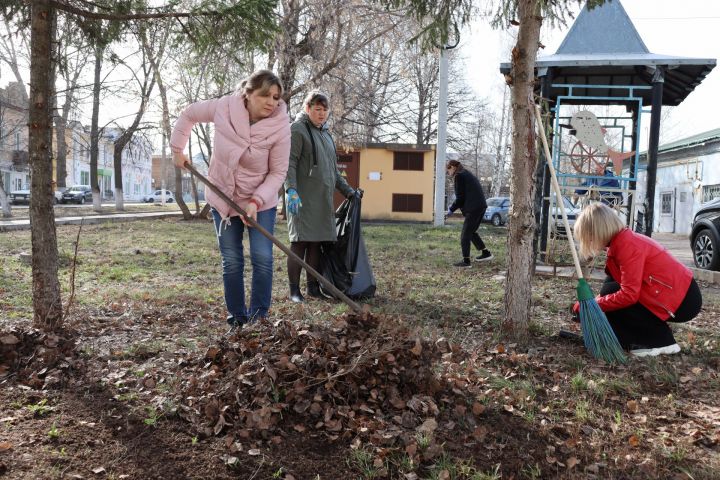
x=308, y=251
x=469, y=232
x=636, y=326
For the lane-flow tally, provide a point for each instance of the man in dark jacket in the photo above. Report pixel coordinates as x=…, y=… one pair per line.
x=470, y=199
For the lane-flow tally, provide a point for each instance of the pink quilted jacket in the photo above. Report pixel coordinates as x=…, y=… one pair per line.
x=248, y=162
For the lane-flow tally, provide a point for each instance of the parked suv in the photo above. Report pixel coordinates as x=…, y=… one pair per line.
x=497, y=210
x=77, y=194
x=705, y=236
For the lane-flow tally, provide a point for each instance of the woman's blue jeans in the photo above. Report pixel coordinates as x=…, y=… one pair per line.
x=230, y=241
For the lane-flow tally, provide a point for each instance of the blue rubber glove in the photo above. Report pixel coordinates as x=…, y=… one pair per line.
x=292, y=199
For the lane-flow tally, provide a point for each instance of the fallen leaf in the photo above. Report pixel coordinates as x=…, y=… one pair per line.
x=254, y=452
x=500, y=348
x=571, y=462
x=428, y=426
x=632, y=406
x=9, y=339
x=633, y=441
x=480, y=433
x=508, y=408
x=4, y=446
x=98, y=470
x=691, y=338
x=478, y=408
x=417, y=349
x=212, y=353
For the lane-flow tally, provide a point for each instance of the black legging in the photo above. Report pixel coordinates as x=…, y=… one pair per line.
x=308, y=251
x=636, y=326
x=469, y=232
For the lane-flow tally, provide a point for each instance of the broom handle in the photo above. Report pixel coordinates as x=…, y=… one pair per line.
x=556, y=188
x=252, y=223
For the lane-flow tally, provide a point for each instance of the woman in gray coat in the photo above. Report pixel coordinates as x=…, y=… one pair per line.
x=312, y=178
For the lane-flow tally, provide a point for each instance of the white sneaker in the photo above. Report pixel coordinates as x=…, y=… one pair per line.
x=654, y=352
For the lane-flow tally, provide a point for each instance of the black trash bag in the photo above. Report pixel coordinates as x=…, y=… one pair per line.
x=347, y=258
x=333, y=268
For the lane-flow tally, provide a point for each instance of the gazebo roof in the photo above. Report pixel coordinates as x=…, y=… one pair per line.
x=604, y=48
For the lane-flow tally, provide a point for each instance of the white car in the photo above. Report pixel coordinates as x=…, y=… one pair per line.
x=156, y=197
x=20, y=196
x=572, y=212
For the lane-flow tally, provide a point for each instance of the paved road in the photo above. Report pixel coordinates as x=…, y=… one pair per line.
x=678, y=245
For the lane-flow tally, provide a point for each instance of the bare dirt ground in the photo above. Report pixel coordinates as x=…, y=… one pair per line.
x=143, y=384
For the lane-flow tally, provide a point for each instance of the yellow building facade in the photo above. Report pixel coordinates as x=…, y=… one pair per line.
x=398, y=181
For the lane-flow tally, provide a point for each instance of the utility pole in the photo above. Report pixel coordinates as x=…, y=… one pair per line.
x=441, y=152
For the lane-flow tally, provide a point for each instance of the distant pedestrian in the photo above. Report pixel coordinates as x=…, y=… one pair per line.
x=470, y=199
x=248, y=164
x=646, y=286
x=312, y=178
x=598, y=186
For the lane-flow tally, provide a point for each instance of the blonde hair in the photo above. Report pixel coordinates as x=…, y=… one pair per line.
x=596, y=225
x=261, y=80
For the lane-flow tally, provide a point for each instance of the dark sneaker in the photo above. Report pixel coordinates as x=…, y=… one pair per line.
x=643, y=351
x=463, y=263
x=484, y=256
x=234, y=325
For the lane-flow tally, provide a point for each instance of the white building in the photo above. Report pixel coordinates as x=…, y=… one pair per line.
x=136, y=162
x=14, y=158
x=688, y=175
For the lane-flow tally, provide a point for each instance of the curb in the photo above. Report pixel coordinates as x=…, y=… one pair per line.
x=13, y=225
x=708, y=276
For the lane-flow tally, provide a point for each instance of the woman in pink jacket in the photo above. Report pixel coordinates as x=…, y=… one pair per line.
x=249, y=164
x=646, y=287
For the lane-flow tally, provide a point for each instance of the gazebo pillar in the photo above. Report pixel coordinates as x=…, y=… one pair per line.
x=635, y=112
x=542, y=185
x=653, y=141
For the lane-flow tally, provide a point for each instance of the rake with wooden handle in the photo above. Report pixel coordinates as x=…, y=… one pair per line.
x=598, y=335
x=252, y=223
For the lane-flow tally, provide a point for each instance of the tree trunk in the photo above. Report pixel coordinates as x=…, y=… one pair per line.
x=167, y=131
x=47, y=303
x=499, y=150
x=6, y=210
x=117, y=168
x=60, y=129
x=518, y=295
x=94, y=130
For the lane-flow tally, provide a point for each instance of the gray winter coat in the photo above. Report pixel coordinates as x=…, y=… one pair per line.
x=315, y=177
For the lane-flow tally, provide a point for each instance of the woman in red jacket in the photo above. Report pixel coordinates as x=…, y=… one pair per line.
x=646, y=287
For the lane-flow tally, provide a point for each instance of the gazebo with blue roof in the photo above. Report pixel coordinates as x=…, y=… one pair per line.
x=604, y=61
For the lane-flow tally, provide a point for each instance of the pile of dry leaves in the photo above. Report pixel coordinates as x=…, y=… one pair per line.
x=365, y=378
x=39, y=359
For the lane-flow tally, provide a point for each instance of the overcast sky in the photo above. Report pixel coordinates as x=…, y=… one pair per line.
x=688, y=28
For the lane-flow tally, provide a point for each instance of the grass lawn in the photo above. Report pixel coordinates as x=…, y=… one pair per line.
x=137, y=385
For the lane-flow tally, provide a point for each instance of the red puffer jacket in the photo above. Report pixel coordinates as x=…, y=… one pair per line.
x=647, y=274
